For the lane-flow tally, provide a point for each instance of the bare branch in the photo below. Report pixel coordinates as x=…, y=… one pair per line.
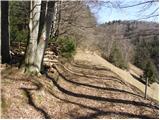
x=138, y=4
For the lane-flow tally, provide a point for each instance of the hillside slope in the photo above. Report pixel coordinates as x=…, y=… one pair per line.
x=136, y=41
x=97, y=60
x=85, y=88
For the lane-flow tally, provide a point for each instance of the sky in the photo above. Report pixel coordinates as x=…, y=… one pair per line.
x=104, y=14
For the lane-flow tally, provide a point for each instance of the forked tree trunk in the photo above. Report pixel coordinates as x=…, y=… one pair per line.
x=35, y=8
x=44, y=35
x=5, y=32
x=38, y=36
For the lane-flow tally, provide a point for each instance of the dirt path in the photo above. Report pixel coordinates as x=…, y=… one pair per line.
x=64, y=94
x=92, y=58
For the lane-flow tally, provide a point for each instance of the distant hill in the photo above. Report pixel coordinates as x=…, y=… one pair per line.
x=138, y=41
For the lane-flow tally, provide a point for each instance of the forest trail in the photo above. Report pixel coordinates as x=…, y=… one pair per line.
x=84, y=88
x=94, y=59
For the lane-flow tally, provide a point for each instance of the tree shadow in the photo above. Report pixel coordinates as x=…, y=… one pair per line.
x=90, y=76
x=117, y=79
x=97, y=87
x=139, y=79
x=31, y=102
x=93, y=67
x=89, y=66
x=98, y=112
x=97, y=98
x=124, y=114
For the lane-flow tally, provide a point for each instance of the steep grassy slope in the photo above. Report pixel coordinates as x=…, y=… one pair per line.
x=125, y=75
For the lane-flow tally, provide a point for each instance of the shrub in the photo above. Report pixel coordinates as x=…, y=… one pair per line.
x=150, y=72
x=116, y=58
x=66, y=46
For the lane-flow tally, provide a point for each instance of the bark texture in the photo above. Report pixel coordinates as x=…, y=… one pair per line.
x=43, y=40
x=56, y=20
x=35, y=8
x=40, y=26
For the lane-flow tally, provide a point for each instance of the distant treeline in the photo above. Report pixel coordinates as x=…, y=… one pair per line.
x=136, y=41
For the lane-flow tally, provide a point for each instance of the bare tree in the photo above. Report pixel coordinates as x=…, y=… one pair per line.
x=41, y=16
x=35, y=7
x=144, y=6
x=76, y=20
x=44, y=34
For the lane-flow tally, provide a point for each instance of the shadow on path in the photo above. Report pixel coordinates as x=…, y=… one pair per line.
x=97, y=98
x=97, y=87
x=98, y=112
x=30, y=102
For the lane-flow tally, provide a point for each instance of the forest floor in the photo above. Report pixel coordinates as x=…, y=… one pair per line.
x=73, y=90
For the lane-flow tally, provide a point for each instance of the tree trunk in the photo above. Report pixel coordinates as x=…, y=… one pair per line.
x=0, y=34
x=5, y=32
x=38, y=35
x=43, y=40
x=35, y=8
x=56, y=18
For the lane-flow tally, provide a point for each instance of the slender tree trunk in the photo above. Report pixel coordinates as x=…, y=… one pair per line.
x=5, y=32
x=56, y=20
